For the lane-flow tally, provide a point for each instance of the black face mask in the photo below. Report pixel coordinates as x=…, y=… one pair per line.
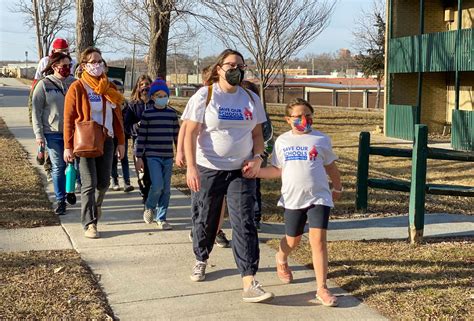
x=234, y=76
x=145, y=90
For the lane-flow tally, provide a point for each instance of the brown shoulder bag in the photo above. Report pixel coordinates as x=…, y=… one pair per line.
x=89, y=136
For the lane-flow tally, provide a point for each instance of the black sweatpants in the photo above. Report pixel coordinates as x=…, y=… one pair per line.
x=240, y=191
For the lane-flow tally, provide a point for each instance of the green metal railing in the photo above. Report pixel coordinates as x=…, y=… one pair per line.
x=400, y=121
x=462, y=130
x=438, y=52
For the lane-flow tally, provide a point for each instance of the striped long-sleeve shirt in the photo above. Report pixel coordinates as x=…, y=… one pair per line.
x=157, y=132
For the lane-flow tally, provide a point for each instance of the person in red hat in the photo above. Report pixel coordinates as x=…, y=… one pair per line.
x=59, y=45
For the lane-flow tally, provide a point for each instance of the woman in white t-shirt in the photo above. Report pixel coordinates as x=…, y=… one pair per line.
x=220, y=136
x=303, y=157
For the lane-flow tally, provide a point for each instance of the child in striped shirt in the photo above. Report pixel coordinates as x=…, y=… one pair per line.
x=157, y=133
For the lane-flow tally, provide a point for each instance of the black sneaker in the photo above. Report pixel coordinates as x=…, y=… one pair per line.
x=60, y=208
x=128, y=188
x=221, y=240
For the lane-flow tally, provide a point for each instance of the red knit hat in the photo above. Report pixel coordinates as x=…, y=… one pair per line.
x=60, y=44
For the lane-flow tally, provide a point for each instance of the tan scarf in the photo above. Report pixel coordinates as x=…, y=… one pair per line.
x=102, y=86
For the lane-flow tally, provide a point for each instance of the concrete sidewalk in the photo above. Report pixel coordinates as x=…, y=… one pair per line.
x=145, y=272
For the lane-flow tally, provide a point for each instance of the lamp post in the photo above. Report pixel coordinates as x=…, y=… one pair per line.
x=26, y=59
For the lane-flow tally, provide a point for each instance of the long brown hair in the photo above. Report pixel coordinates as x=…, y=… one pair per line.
x=135, y=92
x=54, y=58
x=213, y=75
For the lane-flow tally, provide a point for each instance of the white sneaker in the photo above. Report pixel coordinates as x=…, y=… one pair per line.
x=116, y=187
x=199, y=271
x=148, y=215
x=163, y=225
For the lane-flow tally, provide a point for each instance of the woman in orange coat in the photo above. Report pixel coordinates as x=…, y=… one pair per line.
x=85, y=101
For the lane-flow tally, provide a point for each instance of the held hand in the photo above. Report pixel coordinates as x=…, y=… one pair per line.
x=68, y=155
x=193, y=179
x=251, y=167
x=139, y=165
x=120, y=152
x=180, y=161
x=40, y=141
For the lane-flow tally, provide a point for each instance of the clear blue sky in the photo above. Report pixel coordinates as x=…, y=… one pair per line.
x=16, y=38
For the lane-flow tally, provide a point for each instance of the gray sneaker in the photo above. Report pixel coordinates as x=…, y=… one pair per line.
x=255, y=293
x=199, y=271
x=148, y=215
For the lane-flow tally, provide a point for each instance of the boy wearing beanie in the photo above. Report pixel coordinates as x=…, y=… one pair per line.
x=157, y=133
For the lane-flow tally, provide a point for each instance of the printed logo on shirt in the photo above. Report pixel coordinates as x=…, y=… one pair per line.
x=300, y=153
x=313, y=153
x=295, y=153
x=94, y=98
x=235, y=114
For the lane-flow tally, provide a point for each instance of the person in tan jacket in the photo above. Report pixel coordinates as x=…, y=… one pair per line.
x=85, y=100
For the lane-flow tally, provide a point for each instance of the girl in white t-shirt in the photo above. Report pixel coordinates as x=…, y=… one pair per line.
x=303, y=157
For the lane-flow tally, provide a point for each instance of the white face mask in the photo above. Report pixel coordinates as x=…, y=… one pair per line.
x=94, y=69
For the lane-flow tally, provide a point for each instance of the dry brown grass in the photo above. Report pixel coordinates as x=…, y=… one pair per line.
x=23, y=201
x=429, y=281
x=344, y=127
x=49, y=285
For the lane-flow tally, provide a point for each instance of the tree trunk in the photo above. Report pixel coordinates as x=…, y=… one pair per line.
x=159, y=31
x=377, y=97
x=283, y=85
x=84, y=25
x=262, y=89
x=37, y=28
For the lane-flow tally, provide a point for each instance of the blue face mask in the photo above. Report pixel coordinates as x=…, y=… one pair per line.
x=161, y=102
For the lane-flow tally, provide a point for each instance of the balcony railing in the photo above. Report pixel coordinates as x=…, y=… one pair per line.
x=438, y=52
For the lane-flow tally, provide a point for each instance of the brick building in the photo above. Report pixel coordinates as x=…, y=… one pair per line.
x=430, y=68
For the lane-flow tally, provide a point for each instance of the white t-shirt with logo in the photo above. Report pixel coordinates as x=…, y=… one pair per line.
x=225, y=139
x=302, y=159
x=95, y=101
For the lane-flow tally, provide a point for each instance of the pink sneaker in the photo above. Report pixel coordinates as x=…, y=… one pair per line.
x=283, y=271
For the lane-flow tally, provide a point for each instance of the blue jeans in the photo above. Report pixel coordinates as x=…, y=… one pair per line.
x=55, y=147
x=160, y=169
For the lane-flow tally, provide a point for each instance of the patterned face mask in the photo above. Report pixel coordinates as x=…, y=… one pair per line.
x=95, y=69
x=303, y=124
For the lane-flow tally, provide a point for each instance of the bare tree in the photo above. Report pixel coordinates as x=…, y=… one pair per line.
x=271, y=31
x=154, y=25
x=369, y=37
x=53, y=17
x=84, y=25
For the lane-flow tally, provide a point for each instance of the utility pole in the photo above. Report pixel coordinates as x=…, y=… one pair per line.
x=197, y=66
x=26, y=60
x=312, y=66
x=175, y=67
x=133, y=64
x=37, y=27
